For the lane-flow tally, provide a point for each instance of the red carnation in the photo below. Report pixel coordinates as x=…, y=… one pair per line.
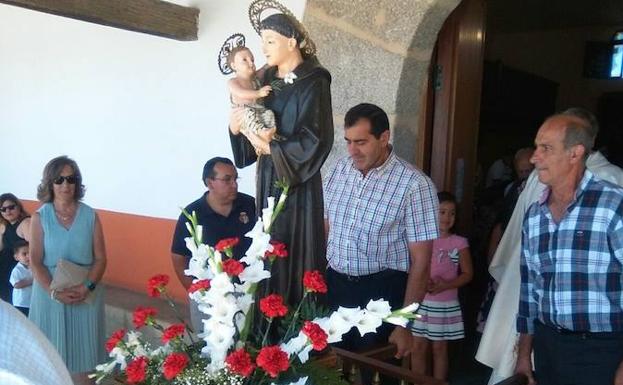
x=279, y=251
x=314, y=282
x=240, y=362
x=272, y=306
x=114, y=339
x=156, y=284
x=316, y=335
x=173, y=331
x=226, y=245
x=143, y=316
x=174, y=364
x=136, y=369
x=203, y=284
x=273, y=360
x=232, y=267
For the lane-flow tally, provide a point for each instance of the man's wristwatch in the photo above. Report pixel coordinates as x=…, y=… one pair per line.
x=89, y=284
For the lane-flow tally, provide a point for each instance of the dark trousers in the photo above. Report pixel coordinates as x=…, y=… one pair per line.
x=348, y=291
x=563, y=357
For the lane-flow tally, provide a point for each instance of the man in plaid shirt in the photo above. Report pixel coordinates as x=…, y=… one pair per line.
x=571, y=296
x=380, y=218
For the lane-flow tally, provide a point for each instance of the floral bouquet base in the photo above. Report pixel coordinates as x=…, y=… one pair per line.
x=245, y=339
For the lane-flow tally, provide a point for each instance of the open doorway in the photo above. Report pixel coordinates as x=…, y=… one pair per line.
x=539, y=57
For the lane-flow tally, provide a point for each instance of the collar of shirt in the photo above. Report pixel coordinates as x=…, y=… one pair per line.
x=380, y=170
x=204, y=203
x=588, y=175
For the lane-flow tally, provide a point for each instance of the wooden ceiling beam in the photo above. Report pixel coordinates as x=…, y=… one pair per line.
x=154, y=17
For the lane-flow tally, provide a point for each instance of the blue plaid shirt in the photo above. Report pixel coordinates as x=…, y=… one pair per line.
x=572, y=271
x=373, y=218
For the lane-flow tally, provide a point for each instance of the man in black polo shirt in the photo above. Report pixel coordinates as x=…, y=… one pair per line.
x=223, y=212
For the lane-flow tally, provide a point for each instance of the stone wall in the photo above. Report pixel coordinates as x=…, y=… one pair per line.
x=378, y=51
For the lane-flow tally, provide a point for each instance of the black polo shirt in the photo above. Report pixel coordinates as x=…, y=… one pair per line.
x=240, y=221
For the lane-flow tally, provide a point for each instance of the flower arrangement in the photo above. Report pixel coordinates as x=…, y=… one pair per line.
x=237, y=345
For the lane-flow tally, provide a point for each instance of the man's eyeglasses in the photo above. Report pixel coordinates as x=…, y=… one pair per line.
x=228, y=179
x=7, y=208
x=71, y=179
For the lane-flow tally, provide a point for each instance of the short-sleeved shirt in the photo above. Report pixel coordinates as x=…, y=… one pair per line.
x=240, y=221
x=373, y=218
x=21, y=297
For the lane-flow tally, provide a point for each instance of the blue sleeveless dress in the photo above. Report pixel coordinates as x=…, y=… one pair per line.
x=77, y=331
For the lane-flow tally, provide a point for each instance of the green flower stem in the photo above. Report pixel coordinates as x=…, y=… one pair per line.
x=295, y=317
x=244, y=334
x=270, y=322
x=179, y=316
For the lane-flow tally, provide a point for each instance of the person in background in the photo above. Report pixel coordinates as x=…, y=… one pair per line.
x=66, y=228
x=498, y=346
x=21, y=277
x=223, y=212
x=14, y=227
x=442, y=320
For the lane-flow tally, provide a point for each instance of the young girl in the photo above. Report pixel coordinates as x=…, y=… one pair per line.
x=451, y=268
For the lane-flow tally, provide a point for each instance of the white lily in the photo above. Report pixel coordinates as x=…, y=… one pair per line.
x=107, y=367
x=242, y=287
x=119, y=355
x=334, y=326
x=350, y=315
x=398, y=321
x=295, y=344
x=368, y=323
x=410, y=308
x=379, y=308
x=267, y=213
x=254, y=273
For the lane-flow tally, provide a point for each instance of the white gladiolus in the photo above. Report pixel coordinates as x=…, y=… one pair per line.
x=267, y=213
x=254, y=273
x=260, y=241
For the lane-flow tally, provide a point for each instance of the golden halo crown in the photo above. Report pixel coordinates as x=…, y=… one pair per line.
x=234, y=41
x=257, y=7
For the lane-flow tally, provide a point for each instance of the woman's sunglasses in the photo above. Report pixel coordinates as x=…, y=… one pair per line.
x=71, y=179
x=7, y=208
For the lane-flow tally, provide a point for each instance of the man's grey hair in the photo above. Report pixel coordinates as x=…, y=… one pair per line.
x=583, y=134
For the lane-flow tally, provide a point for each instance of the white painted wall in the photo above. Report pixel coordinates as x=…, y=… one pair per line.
x=139, y=113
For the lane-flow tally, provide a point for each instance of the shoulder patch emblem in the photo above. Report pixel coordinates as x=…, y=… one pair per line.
x=244, y=218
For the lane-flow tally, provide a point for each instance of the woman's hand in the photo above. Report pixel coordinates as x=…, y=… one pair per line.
x=67, y=296
x=80, y=292
x=235, y=120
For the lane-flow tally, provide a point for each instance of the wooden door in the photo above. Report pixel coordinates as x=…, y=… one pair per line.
x=452, y=106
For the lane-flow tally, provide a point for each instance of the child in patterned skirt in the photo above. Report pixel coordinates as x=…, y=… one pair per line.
x=442, y=320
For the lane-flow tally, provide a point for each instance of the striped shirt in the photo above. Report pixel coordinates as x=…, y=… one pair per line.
x=372, y=218
x=572, y=271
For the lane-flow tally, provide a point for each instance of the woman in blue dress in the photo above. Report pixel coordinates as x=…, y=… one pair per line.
x=66, y=228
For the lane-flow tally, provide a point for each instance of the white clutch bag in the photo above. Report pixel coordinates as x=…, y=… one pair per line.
x=68, y=274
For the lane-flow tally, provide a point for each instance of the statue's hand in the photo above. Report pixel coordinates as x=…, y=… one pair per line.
x=268, y=134
x=235, y=120
x=264, y=91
